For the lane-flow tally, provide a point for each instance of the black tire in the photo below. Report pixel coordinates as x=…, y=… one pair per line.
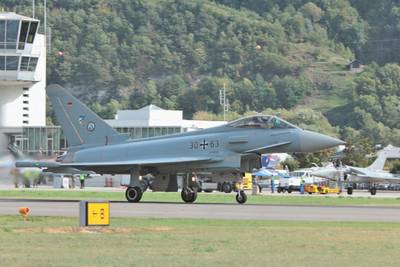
x=133, y=194
x=373, y=191
x=188, y=195
x=241, y=197
x=349, y=190
x=290, y=190
x=279, y=190
x=310, y=193
x=226, y=187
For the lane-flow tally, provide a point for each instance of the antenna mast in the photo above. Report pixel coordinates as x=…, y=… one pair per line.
x=224, y=101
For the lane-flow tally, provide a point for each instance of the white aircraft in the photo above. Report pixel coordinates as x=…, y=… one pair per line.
x=372, y=175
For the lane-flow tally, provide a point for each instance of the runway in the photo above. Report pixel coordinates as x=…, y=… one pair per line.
x=211, y=211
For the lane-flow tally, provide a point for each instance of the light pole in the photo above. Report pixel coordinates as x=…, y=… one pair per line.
x=224, y=101
x=33, y=8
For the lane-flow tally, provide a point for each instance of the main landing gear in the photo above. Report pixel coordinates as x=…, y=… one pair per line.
x=133, y=194
x=349, y=190
x=135, y=190
x=372, y=190
x=189, y=194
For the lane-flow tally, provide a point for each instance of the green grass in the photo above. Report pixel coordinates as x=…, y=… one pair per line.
x=57, y=241
x=293, y=199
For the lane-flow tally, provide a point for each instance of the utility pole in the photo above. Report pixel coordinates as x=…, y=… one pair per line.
x=33, y=8
x=45, y=20
x=224, y=101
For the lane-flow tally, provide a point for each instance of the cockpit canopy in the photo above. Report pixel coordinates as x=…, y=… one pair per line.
x=261, y=121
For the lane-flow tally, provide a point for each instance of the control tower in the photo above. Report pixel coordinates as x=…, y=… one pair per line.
x=22, y=75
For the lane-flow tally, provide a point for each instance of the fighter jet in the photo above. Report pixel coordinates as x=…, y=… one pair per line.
x=226, y=151
x=371, y=175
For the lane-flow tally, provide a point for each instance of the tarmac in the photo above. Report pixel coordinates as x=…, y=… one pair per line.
x=210, y=211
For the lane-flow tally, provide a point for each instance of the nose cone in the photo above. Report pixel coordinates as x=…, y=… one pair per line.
x=311, y=141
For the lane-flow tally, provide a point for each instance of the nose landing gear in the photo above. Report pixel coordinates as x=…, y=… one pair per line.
x=241, y=197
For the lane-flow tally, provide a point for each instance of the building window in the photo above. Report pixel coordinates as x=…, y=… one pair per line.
x=32, y=63
x=2, y=62
x=2, y=33
x=28, y=63
x=26, y=115
x=8, y=34
x=26, y=108
x=26, y=102
x=23, y=34
x=25, y=95
x=32, y=32
x=24, y=64
x=11, y=34
x=25, y=88
x=25, y=122
x=12, y=63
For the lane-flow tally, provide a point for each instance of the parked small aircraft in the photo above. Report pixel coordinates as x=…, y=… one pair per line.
x=372, y=175
x=226, y=151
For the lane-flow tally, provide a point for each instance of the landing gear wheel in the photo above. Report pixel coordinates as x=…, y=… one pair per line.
x=189, y=195
x=373, y=191
x=133, y=194
x=227, y=187
x=241, y=197
x=349, y=190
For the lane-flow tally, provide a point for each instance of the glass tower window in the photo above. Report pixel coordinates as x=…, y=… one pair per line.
x=2, y=33
x=11, y=34
x=28, y=63
x=32, y=63
x=24, y=63
x=12, y=63
x=2, y=62
x=32, y=32
x=23, y=34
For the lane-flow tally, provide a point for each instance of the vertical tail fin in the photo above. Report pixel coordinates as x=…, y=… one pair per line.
x=80, y=125
x=379, y=162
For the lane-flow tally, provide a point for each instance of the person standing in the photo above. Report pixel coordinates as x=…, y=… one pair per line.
x=82, y=180
x=272, y=184
x=302, y=184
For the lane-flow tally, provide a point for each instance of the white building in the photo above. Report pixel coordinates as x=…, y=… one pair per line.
x=22, y=75
x=154, y=121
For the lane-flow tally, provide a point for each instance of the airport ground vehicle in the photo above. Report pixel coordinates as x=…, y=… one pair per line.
x=311, y=188
x=289, y=184
x=207, y=185
x=247, y=181
x=292, y=181
x=321, y=189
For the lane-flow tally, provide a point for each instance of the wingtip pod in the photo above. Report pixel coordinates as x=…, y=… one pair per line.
x=36, y=164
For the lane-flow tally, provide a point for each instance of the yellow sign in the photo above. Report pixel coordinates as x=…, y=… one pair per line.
x=98, y=213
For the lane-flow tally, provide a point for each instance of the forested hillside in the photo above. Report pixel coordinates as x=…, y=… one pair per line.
x=280, y=56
